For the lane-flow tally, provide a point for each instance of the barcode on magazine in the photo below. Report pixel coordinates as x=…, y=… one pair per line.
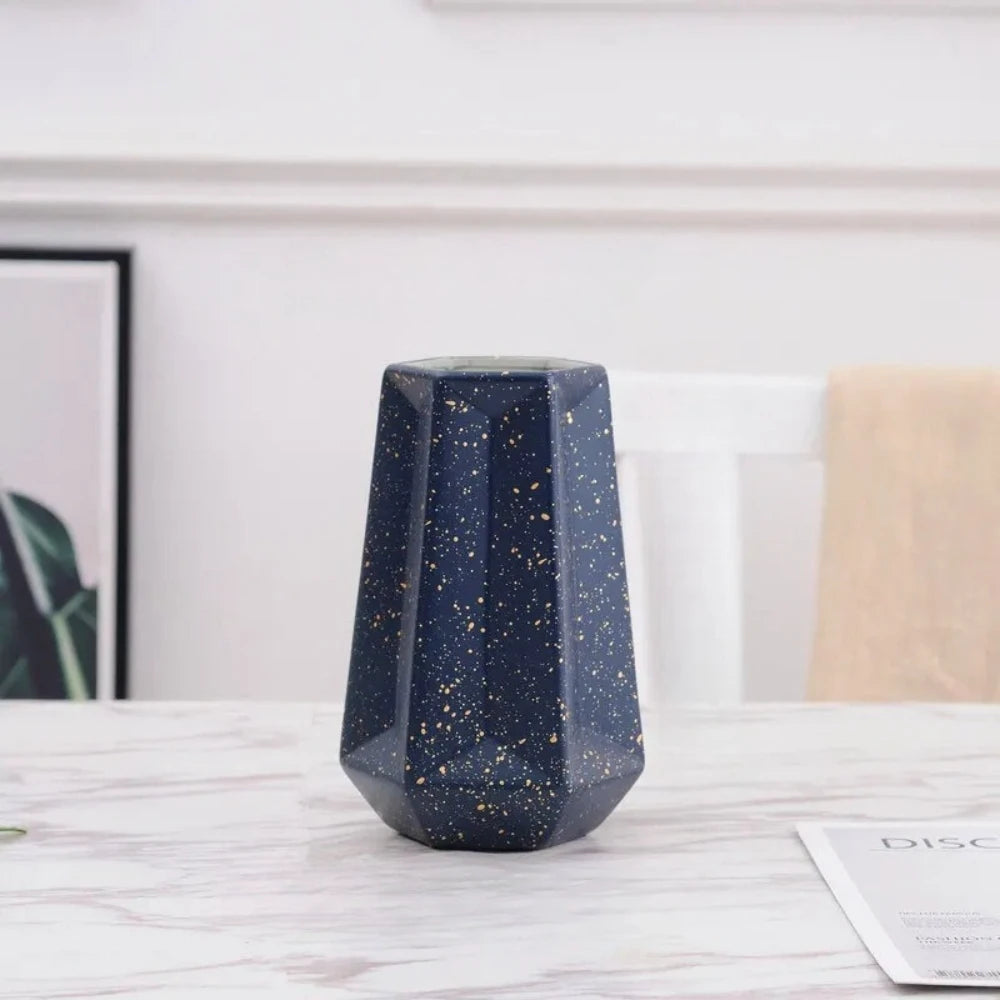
x=966, y=974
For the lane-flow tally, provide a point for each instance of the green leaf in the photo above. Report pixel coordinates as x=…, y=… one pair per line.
x=48, y=621
x=75, y=629
x=17, y=683
x=52, y=549
x=10, y=646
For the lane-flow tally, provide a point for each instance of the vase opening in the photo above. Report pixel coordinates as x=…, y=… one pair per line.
x=498, y=364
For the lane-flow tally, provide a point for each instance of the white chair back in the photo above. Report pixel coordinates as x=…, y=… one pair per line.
x=680, y=441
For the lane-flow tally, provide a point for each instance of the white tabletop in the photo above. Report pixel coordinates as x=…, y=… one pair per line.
x=178, y=851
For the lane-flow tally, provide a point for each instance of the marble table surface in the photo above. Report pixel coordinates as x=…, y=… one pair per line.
x=216, y=850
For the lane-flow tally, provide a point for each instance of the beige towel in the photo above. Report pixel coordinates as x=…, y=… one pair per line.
x=909, y=598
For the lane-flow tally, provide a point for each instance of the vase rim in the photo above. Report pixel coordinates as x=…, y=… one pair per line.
x=495, y=365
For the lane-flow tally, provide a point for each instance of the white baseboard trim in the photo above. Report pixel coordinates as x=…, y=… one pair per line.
x=198, y=188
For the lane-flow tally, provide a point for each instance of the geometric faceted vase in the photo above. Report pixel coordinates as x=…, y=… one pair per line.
x=491, y=703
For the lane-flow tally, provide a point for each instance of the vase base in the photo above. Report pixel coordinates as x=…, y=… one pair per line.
x=468, y=819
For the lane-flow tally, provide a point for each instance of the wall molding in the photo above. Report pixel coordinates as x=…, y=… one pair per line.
x=205, y=189
x=737, y=6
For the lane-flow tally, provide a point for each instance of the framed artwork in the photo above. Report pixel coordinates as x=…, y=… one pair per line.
x=64, y=408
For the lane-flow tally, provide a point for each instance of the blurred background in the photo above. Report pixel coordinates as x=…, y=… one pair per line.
x=314, y=189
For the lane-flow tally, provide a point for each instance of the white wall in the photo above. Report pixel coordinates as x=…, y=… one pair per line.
x=399, y=78
x=315, y=189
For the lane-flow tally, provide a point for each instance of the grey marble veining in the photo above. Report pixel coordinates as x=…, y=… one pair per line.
x=179, y=851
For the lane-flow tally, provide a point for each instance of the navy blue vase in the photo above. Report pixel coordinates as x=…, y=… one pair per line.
x=491, y=703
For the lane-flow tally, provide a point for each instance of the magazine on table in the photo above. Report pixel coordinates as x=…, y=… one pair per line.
x=923, y=897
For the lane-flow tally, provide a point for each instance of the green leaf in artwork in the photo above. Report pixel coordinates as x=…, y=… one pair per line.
x=75, y=629
x=10, y=646
x=52, y=549
x=17, y=682
x=48, y=620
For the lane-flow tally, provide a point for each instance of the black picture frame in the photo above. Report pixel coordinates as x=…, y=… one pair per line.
x=121, y=258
